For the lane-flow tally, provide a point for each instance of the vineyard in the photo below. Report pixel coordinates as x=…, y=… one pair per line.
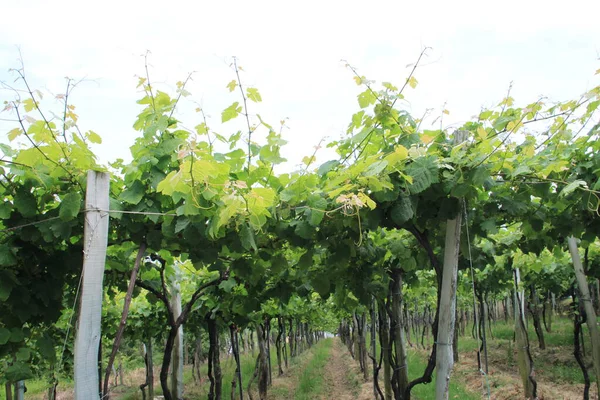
x=448, y=263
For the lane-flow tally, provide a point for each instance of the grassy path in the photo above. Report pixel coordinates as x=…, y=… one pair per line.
x=326, y=372
x=344, y=380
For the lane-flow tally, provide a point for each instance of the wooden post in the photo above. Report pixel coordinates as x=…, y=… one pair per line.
x=20, y=390
x=177, y=358
x=401, y=372
x=447, y=305
x=444, y=355
x=88, y=334
x=150, y=371
x=522, y=341
x=587, y=305
x=374, y=344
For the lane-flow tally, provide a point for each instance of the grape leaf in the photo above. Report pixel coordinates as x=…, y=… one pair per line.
x=70, y=206
x=45, y=346
x=231, y=112
x=253, y=95
x=134, y=193
x=247, y=238
x=25, y=203
x=18, y=372
x=571, y=187
x=4, y=336
x=7, y=258
x=402, y=210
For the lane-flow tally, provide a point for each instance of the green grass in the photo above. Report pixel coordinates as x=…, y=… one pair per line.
x=417, y=361
x=354, y=381
x=37, y=387
x=417, y=364
x=555, y=364
x=561, y=335
x=312, y=377
x=285, y=392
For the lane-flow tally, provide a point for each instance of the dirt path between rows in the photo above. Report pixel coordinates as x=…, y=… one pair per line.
x=343, y=378
x=506, y=384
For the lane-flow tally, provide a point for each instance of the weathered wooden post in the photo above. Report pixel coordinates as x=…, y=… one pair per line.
x=177, y=358
x=87, y=339
x=447, y=311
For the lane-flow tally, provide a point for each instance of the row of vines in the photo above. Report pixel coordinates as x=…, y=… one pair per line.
x=409, y=232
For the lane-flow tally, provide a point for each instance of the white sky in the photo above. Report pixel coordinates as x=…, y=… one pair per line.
x=291, y=52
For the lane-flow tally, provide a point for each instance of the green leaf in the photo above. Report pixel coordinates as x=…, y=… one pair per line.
x=306, y=260
x=480, y=175
x=28, y=104
x=154, y=239
x=520, y=170
x=402, y=210
x=61, y=229
x=94, y=137
x=254, y=95
x=201, y=129
x=484, y=115
x=304, y=230
x=16, y=335
x=424, y=173
x=7, y=258
x=461, y=190
x=389, y=86
x=489, y=226
x=181, y=224
x=269, y=154
x=231, y=112
x=571, y=187
x=25, y=203
x=45, y=346
x=18, y=372
x=6, y=149
x=171, y=183
x=228, y=285
x=232, y=85
x=4, y=336
x=375, y=168
x=412, y=82
x=536, y=224
x=449, y=208
x=115, y=205
x=409, y=265
x=247, y=238
x=70, y=206
x=366, y=98
x=327, y=166
x=134, y=193
x=322, y=285
x=318, y=205
x=501, y=122
x=23, y=354
x=5, y=210
x=5, y=289
x=14, y=133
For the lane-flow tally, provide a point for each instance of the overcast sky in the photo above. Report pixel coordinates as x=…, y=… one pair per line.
x=291, y=52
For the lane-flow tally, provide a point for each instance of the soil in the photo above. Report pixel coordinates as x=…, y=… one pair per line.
x=341, y=369
x=505, y=382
